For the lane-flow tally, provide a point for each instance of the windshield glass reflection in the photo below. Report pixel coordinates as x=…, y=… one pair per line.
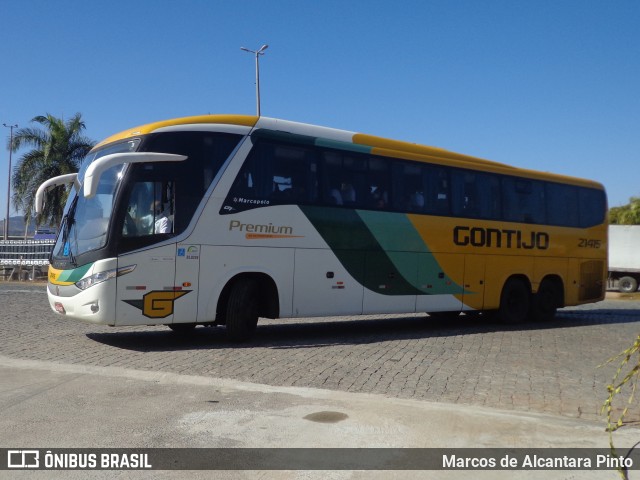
x=86, y=220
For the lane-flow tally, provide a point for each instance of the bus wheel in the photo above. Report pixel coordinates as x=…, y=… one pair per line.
x=515, y=302
x=546, y=301
x=242, y=310
x=627, y=284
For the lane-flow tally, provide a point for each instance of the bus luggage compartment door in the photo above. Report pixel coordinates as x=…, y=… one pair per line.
x=323, y=286
x=474, y=281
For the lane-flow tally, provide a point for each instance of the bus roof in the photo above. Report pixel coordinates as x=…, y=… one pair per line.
x=372, y=144
x=245, y=120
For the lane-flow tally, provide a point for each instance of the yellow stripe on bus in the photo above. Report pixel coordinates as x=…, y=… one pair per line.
x=243, y=120
x=54, y=275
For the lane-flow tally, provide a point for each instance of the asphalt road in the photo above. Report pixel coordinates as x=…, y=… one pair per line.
x=545, y=368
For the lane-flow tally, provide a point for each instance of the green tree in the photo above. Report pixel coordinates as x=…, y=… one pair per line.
x=626, y=214
x=58, y=149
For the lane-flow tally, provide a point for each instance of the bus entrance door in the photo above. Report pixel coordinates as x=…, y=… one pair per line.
x=146, y=295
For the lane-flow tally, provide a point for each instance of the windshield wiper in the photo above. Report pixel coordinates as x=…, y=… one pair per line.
x=67, y=223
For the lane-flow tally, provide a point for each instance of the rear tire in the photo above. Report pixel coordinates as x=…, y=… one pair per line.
x=627, y=284
x=515, y=302
x=546, y=301
x=242, y=310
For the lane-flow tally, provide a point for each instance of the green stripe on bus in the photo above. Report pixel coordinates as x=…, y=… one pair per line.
x=337, y=145
x=75, y=274
x=358, y=250
x=404, y=246
x=382, y=251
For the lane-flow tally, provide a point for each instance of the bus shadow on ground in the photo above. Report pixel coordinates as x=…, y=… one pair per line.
x=296, y=334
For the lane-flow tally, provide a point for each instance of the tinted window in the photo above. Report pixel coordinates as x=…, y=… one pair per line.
x=523, y=200
x=345, y=177
x=356, y=180
x=562, y=204
x=421, y=188
x=161, y=198
x=593, y=207
x=476, y=195
x=408, y=187
x=277, y=173
x=274, y=174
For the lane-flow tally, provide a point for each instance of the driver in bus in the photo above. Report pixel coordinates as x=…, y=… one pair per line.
x=163, y=222
x=156, y=221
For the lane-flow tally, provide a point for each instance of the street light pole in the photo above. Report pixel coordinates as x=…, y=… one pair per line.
x=257, y=54
x=6, y=222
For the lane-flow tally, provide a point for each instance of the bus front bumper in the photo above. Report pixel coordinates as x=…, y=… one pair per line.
x=96, y=304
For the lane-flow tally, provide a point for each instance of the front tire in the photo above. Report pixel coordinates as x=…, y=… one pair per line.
x=515, y=302
x=242, y=310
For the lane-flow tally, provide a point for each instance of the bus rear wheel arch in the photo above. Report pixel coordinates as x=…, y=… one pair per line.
x=243, y=300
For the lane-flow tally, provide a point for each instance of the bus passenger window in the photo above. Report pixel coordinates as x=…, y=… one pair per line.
x=379, y=183
x=562, y=204
x=476, y=195
x=274, y=174
x=347, y=192
x=436, y=188
x=347, y=182
x=593, y=207
x=407, y=187
x=523, y=200
x=465, y=194
x=293, y=175
x=332, y=164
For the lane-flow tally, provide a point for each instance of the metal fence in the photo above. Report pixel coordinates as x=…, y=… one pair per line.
x=25, y=259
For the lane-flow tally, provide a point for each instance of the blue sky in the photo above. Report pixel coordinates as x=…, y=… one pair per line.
x=547, y=85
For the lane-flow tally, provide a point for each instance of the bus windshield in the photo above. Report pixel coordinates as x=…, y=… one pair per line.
x=86, y=220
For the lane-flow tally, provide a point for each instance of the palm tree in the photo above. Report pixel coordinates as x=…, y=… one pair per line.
x=58, y=149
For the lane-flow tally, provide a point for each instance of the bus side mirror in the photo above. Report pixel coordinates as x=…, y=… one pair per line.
x=54, y=182
x=97, y=168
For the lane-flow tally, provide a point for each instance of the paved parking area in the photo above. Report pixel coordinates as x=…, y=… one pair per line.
x=551, y=368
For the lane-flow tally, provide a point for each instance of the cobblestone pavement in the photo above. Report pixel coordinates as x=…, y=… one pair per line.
x=552, y=368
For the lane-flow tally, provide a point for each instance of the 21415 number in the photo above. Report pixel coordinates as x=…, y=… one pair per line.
x=589, y=243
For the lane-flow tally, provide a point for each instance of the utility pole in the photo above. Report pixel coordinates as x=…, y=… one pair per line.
x=257, y=53
x=6, y=222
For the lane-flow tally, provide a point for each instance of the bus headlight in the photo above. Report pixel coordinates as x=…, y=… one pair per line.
x=100, y=277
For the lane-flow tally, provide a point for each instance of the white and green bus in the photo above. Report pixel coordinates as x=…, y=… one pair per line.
x=223, y=219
